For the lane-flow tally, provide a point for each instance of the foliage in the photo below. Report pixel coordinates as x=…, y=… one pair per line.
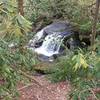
x=85, y=89
x=82, y=71
x=79, y=12
x=81, y=68
x=80, y=61
x=11, y=62
x=13, y=30
x=12, y=23
x=7, y=74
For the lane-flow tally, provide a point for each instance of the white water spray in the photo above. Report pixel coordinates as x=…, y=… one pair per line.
x=51, y=45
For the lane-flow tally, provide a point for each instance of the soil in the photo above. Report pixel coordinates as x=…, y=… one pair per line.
x=46, y=90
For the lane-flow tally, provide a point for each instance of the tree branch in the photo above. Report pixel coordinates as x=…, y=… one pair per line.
x=30, y=77
x=95, y=24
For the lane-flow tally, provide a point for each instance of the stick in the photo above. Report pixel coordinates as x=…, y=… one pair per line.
x=93, y=94
x=30, y=77
x=26, y=86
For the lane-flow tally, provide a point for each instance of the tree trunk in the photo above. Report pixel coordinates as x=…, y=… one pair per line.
x=95, y=24
x=20, y=7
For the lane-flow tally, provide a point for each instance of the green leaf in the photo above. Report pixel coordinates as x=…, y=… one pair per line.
x=79, y=61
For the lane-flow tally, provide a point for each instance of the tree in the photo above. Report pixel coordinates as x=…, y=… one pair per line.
x=12, y=23
x=95, y=23
x=20, y=7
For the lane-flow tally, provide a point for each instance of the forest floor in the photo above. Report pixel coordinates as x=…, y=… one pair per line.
x=45, y=91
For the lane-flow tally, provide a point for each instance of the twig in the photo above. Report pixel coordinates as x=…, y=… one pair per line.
x=30, y=77
x=96, y=90
x=93, y=94
x=26, y=86
x=82, y=92
x=91, y=90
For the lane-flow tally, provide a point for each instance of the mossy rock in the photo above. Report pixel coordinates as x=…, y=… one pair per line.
x=44, y=67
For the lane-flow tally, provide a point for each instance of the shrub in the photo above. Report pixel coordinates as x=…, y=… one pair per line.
x=11, y=62
x=82, y=72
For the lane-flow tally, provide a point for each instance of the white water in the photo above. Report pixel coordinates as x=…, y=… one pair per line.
x=51, y=45
x=32, y=42
x=39, y=34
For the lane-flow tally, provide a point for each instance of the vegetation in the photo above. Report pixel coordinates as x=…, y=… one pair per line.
x=80, y=67
x=81, y=72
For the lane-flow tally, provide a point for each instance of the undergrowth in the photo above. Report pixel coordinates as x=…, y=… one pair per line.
x=79, y=12
x=82, y=72
x=81, y=68
x=12, y=61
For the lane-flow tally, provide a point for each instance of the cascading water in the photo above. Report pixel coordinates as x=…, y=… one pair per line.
x=51, y=45
x=47, y=43
x=37, y=37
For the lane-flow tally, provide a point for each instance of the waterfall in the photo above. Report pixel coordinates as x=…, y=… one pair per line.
x=48, y=41
x=36, y=38
x=51, y=45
